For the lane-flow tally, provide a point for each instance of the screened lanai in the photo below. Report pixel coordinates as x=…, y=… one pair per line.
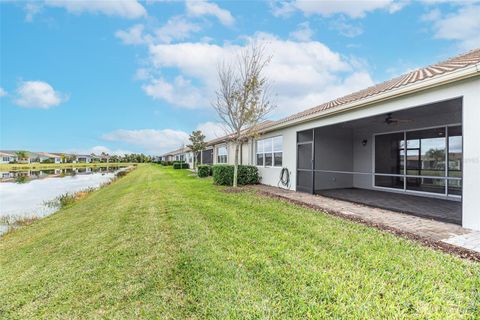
x=409, y=160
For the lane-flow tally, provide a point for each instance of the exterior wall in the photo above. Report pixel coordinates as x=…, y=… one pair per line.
x=468, y=89
x=9, y=159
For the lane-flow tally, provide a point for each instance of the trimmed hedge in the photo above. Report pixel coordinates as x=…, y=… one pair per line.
x=166, y=163
x=180, y=165
x=223, y=175
x=204, y=171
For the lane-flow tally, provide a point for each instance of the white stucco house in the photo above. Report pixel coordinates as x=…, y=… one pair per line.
x=45, y=156
x=7, y=157
x=83, y=158
x=416, y=135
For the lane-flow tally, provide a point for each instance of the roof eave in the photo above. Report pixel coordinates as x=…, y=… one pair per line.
x=458, y=75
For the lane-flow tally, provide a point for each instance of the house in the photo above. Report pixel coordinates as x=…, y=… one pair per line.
x=45, y=157
x=183, y=154
x=416, y=134
x=7, y=157
x=83, y=158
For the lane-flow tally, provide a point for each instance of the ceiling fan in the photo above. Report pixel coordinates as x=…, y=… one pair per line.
x=391, y=120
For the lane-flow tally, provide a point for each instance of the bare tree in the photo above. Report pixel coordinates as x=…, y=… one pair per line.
x=243, y=98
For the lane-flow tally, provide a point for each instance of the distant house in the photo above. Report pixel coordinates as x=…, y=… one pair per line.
x=84, y=158
x=46, y=157
x=101, y=158
x=7, y=157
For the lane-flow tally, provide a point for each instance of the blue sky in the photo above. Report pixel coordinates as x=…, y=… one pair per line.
x=129, y=76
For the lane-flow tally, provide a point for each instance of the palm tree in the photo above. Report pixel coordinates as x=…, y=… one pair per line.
x=22, y=155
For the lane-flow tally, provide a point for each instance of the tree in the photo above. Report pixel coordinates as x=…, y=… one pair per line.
x=243, y=97
x=22, y=155
x=198, y=144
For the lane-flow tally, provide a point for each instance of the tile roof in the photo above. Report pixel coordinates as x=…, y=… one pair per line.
x=470, y=58
x=7, y=154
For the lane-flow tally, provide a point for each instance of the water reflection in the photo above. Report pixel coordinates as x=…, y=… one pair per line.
x=23, y=194
x=24, y=176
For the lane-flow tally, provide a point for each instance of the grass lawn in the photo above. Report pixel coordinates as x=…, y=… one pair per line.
x=159, y=243
x=46, y=166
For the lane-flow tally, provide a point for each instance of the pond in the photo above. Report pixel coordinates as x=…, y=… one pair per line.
x=25, y=194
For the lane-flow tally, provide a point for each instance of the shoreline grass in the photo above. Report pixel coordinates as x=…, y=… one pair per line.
x=162, y=244
x=46, y=166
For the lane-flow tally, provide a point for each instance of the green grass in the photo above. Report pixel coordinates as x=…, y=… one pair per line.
x=162, y=244
x=46, y=166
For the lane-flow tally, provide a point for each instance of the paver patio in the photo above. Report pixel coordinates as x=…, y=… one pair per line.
x=423, y=228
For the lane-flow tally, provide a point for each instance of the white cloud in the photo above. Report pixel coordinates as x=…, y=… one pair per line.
x=351, y=8
x=177, y=28
x=133, y=35
x=212, y=130
x=153, y=141
x=303, y=73
x=31, y=9
x=303, y=32
x=38, y=94
x=180, y=92
x=130, y=9
x=346, y=29
x=462, y=26
x=197, y=8
x=3, y=93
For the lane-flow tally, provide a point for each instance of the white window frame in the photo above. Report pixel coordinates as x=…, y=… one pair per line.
x=223, y=155
x=273, y=151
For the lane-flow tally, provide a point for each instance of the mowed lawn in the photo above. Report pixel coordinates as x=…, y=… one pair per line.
x=160, y=243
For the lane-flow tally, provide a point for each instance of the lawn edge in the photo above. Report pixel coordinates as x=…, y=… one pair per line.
x=433, y=244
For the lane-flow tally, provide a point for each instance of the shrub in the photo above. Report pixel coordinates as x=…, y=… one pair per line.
x=180, y=165
x=204, y=171
x=223, y=175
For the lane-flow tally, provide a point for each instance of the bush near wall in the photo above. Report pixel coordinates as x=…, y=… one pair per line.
x=223, y=175
x=204, y=171
x=180, y=165
x=166, y=163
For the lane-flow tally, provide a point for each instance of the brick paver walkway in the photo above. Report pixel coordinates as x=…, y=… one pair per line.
x=424, y=228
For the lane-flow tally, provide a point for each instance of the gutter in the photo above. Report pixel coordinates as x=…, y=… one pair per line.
x=454, y=76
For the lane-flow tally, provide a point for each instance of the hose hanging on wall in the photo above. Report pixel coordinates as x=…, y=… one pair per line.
x=284, y=178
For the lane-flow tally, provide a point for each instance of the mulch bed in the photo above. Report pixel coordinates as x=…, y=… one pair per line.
x=437, y=245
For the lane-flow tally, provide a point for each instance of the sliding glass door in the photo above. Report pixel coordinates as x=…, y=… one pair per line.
x=426, y=160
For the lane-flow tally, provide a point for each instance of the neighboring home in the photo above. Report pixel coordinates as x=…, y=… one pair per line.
x=359, y=142
x=183, y=154
x=45, y=157
x=83, y=158
x=101, y=158
x=7, y=157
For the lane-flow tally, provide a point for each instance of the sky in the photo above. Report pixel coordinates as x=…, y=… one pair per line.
x=139, y=76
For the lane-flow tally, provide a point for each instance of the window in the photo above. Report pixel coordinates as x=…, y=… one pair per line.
x=426, y=160
x=270, y=152
x=222, y=154
x=5, y=159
